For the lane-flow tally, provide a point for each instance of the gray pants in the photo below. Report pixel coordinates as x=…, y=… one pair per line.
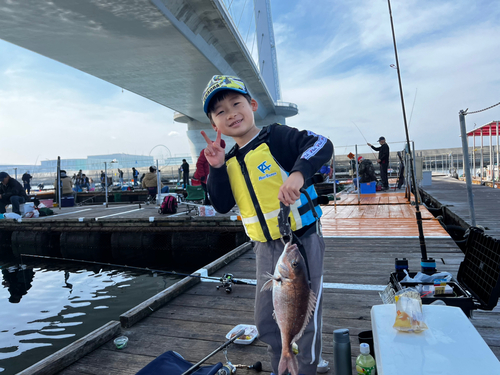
x=267, y=254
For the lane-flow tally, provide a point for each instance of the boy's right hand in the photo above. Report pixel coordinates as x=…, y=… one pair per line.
x=214, y=152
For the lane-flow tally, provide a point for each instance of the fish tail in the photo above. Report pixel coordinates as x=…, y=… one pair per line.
x=288, y=361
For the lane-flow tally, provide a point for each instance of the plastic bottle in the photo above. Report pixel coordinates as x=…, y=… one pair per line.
x=342, y=352
x=365, y=363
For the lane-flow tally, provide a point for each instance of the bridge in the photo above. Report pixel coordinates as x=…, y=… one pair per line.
x=163, y=50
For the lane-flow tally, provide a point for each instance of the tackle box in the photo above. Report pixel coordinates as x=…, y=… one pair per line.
x=477, y=285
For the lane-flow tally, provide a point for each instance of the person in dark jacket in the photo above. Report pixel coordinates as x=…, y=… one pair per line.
x=26, y=181
x=185, y=173
x=366, y=170
x=383, y=160
x=11, y=192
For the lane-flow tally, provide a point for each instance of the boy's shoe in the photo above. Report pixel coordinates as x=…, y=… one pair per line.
x=322, y=367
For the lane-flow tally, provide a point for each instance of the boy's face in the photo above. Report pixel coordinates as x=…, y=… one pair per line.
x=233, y=116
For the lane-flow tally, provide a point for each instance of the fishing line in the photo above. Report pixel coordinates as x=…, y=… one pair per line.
x=234, y=281
x=363, y=137
x=413, y=106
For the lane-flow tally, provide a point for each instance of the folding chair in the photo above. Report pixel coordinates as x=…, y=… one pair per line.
x=152, y=192
x=195, y=193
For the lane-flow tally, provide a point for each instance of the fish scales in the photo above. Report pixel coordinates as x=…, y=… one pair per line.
x=293, y=303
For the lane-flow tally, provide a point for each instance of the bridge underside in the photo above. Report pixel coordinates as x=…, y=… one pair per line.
x=165, y=51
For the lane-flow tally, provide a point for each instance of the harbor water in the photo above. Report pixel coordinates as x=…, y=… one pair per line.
x=46, y=306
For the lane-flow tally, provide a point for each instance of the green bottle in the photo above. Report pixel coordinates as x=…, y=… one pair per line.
x=365, y=363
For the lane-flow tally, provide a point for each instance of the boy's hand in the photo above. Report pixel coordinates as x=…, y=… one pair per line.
x=290, y=190
x=369, y=144
x=214, y=152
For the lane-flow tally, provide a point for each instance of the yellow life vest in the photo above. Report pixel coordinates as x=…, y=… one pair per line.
x=255, y=183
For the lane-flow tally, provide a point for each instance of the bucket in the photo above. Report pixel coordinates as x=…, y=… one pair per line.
x=367, y=337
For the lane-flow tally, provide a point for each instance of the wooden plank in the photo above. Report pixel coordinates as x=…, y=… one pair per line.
x=74, y=351
x=139, y=312
x=132, y=316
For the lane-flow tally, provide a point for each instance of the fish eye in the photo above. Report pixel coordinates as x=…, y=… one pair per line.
x=294, y=263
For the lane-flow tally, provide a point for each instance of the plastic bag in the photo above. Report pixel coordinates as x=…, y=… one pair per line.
x=423, y=278
x=33, y=214
x=409, y=315
x=11, y=215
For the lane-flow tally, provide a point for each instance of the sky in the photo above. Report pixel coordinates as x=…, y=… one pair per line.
x=334, y=61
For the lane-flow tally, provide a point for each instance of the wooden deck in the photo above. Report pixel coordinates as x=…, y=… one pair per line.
x=452, y=193
x=195, y=323
x=377, y=215
x=362, y=242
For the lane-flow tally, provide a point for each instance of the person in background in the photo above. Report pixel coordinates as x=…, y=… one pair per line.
x=185, y=173
x=150, y=182
x=103, y=177
x=383, y=160
x=11, y=192
x=120, y=176
x=26, y=181
x=85, y=182
x=203, y=169
x=135, y=176
x=66, y=185
x=366, y=170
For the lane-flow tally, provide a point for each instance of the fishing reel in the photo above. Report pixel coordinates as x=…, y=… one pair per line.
x=227, y=369
x=227, y=282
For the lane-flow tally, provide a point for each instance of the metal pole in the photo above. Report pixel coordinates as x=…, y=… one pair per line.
x=158, y=184
x=474, y=154
x=482, y=157
x=357, y=173
x=59, y=190
x=491, y=158
x=468, y=180
x=334, y=181
x=498, y=170
x=106, y=181
x=418, y=214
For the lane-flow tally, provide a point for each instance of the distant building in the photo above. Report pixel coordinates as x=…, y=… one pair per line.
x=95, y=163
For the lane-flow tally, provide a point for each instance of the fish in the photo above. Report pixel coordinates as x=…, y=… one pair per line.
x=293, y=301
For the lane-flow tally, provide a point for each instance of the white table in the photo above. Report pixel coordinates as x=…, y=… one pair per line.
x=451, y=345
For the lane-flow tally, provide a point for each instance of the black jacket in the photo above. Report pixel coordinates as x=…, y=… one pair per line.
x=383, y=153
x=294, y=150
x=13, y=187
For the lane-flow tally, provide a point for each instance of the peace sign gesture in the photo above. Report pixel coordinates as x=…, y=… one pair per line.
x=214, y=152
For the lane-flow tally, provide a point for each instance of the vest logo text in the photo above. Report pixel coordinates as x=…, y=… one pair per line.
x=264, y=168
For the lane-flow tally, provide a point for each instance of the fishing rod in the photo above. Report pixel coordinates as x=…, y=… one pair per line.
x=226, y=344
x=227, y=279
x=363, y=137
x=426, y=264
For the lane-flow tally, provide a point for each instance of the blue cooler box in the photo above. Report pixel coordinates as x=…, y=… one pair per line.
x=67, y=201
x=368, y=187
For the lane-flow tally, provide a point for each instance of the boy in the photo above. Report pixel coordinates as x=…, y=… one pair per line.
x=264, y=168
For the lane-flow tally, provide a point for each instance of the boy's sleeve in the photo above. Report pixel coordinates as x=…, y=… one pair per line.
x=376, y=148
x=302, y=151
x=219, y=188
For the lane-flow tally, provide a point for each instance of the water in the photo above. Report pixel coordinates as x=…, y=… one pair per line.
x=44, y=307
